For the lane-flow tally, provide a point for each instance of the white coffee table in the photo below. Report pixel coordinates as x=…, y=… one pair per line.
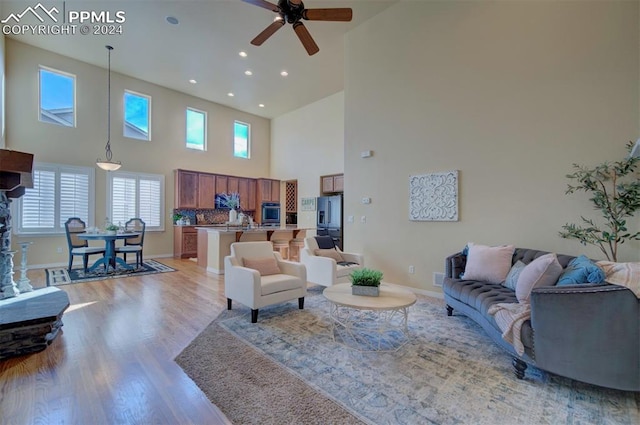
x=370, y=323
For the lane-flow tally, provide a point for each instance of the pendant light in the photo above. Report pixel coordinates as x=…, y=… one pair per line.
x=108, y=164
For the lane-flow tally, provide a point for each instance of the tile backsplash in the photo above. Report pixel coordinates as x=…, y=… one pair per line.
x=205, y=216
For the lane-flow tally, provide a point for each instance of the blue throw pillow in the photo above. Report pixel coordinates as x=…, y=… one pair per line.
x=514, y=274
x=581, y=270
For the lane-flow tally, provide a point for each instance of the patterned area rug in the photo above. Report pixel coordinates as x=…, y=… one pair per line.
x=60, y=276
x=449, y=372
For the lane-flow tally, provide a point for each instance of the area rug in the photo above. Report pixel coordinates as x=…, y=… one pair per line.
x=449, y=372
x=60, y=276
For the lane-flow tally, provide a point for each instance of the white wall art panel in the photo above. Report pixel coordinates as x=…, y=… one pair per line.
x=434, y=197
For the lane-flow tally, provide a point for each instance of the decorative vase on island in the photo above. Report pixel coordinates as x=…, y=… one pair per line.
x=233, y=215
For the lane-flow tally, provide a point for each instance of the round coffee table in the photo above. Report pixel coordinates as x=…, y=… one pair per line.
x=370, y=323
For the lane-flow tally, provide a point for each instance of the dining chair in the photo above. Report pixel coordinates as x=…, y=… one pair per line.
x=74, y=226
x=134, y=244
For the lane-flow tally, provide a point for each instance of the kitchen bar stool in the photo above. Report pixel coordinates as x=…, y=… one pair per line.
x=281, y=246
x=295, y=245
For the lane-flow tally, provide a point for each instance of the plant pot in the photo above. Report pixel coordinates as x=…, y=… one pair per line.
x=111, y=232
x=369, y=291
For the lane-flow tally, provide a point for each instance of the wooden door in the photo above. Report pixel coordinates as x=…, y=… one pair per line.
x=338, y=183
x=233, y=184
x=327, y=184
x=252, y=195
x=186, y=189
x=221, y=184
x=275, y=190
x=206, y=190
x=243, y=191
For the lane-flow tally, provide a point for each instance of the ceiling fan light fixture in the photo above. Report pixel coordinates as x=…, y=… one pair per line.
x=108, y=164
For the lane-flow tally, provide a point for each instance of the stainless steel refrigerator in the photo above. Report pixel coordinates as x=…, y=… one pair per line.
x=329, y=218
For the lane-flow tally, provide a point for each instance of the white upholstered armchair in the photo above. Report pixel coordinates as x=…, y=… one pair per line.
x=326, y=268
x=257, y=277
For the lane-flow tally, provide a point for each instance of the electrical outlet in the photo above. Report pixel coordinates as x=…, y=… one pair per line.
x=438, y=278
x=350, y=219
x=59, y=250
x=366, y=201
x=363, y=219
x=412, y=269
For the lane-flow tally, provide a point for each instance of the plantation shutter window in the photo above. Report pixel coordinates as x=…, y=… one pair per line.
x=135, y=195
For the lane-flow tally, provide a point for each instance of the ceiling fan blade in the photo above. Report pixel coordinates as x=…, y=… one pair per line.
x=306, y=39
x=267, y=32
x=264, y=4
x=336, y=14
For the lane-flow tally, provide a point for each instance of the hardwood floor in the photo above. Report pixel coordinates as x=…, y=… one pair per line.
x=113, y=361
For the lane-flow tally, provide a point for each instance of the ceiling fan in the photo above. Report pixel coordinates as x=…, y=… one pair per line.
x=293, y=11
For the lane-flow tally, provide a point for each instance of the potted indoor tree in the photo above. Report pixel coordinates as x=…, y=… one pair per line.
x=614, y=190
x=365, y=282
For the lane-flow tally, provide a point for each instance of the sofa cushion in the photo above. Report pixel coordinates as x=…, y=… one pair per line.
x=265, y=266
x=325, y=242
x=512, y=278
x=329, y=253
x=543, y=271
x=581, y=270
x=278, y=283
x=486, y=263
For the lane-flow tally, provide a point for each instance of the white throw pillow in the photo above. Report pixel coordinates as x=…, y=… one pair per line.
x=488, y=263
x=543, y=271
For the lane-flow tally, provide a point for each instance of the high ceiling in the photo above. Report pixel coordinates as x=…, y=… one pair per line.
x=205, y=46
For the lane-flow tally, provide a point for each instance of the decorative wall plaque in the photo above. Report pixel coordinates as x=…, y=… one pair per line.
x=434, y=197
x=308, y=204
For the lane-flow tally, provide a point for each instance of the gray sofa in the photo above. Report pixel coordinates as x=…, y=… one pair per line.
x=589, y=332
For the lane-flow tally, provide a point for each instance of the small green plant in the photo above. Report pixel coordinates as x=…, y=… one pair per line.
x=615, y=192
x=230, y=200
x=111, y=228
x=365, y=277
x=177, y=217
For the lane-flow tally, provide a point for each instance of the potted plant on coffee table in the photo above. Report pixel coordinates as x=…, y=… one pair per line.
x=365, y=282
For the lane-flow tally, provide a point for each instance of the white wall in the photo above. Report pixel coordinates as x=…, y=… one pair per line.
x=2, y=84
x=308, y=143
x=84, y=143
x=509, y=93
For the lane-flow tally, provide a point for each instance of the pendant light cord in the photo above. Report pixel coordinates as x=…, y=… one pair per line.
x=108, y=147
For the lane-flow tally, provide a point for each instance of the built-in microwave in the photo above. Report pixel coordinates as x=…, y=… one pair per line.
x=270, y=213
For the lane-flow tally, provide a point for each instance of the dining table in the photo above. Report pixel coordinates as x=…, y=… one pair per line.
x=110, y=258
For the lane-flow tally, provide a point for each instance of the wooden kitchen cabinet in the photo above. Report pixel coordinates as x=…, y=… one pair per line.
x=206, y=190
x=233, y=184
x=221, y=184
x=243, y=191
x=268, y=190
x=253, y=193
x=186, y=189
x=185, y=242
x=333, y=183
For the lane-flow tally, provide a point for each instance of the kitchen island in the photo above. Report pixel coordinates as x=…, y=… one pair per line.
x=214, y=242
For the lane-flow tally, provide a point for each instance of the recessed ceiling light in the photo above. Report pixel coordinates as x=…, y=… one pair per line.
x=172, y=20
x=230, y=94
x=192, y=81
x=243, y=54
x=247, y=72
x=284, y=73
x=261, y=105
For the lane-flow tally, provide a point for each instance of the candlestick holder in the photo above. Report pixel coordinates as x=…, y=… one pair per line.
x=24, y=284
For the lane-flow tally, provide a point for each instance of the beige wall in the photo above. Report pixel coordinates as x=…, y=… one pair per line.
x=509, y=93
x=83, y=144
x=306, y=144
x=2, y=82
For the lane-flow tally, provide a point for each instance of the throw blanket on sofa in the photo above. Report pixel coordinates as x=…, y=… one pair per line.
x=510, y=317
x=623, y=274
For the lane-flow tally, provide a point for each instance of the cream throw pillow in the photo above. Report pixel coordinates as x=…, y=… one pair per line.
x=543, y=271
x=329, y=253
x=488, y=263
x=265, y=266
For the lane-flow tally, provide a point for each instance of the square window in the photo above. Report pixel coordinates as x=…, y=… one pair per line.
x=241, y=139
x=57, y=97
x=137, y=115
x=196, y=129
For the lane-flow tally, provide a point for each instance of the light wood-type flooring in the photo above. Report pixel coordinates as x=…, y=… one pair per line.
x=113, y=361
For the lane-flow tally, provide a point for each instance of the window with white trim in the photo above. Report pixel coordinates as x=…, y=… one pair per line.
x=136, y=195
x=137, y=115
x=241, y=139
x=196, y=124
x=59, y=192
x=57, y=97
